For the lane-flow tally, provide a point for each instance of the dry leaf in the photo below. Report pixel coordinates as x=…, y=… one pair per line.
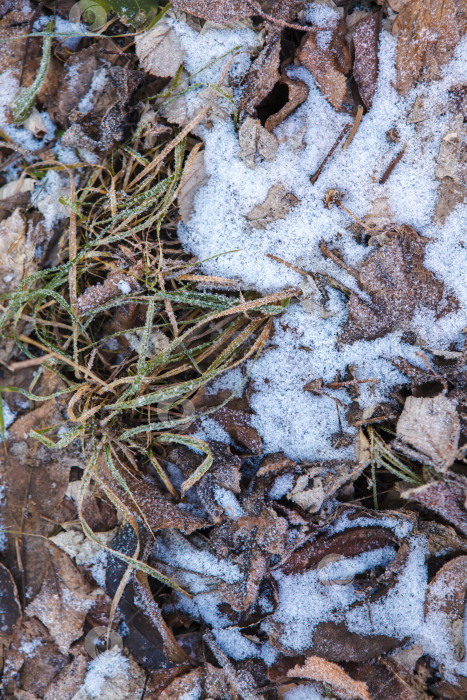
x=63, y=601
x=10, y=607
x=221, y=11
x=261, y=77
x=256, y=143
x=365, y=67
x=318, y=669
x=118, y=283
x=327, y=63
x=112, y=676
x=189, y=685
x=428, y=32
x=431, y=426
x=444, y=498
x=277, y=205
x=160, y=50
x=196, y=176
x=16, y=252
x=321, y=481
x=445, y=597
x=333, y=641
x=298, y=93
x=238, y=426
x=16, y=187
x=63, y=686
x=398, y=285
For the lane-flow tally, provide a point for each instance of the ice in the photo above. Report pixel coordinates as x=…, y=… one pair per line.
x=304, y=692
x=105, y=667
x=124, y=286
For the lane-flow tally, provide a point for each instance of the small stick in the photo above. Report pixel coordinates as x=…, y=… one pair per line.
x=358, y=119
x=329, y=280
x=351, y=382
x=335, y=258
x=343, y=133
x=385, y=176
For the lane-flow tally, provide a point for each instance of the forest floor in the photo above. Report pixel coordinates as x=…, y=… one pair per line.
x=233, y=389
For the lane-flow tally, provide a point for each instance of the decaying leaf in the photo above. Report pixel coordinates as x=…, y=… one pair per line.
x=238, y=425
x=297, y=94
x=189, y=685
x=63, y=601
x=365, y=67
x=327, y=59
x=98, y=121
x=451, y=169
x=261, y=77
x=398, y=285
x=277, y=205
x=112, y=676
x=16, y=252
x=445, y=598
x=16, y=187
x=256, y=143
x=318, y=669
x=196, y=176
x=431, y=426
x=118, y=283
x=220, y=11
x=321, y=481
x=444, y=498
x=10, y=607
x=160, y=50
x=428, y=32
x=334, y=642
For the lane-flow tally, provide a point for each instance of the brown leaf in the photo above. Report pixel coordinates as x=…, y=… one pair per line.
x=148, y=501
x=10, y=607
x=160, y=50
x=256, y=143
x=446, y=596
x=16, y=252
x=318, y=669
x=277, y=205
x=63, y=601
x=189, y=685
x=366, y=62
x=297, y=94
x=431, y=426
x=99, y=128
x=383, y=683
x=443, y=498
x=238, y=425
x=118, y=283
x=195, y=178
x=428, y=32
x=398, y=285
x=333, y=641
x=348, y=543
x=326, y=64
x=321, y=481
x=221, y=11
x=70, y=678
x=261, y=77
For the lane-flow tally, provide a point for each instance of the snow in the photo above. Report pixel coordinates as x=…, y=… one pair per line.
x=124, y=286
x=106, y=666
x=304, y=692
x=288, y=419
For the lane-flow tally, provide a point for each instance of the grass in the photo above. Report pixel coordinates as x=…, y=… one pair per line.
x=124, y=219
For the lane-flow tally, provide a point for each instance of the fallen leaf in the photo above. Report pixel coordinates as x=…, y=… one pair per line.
x=189, y=685
x=261, y=77
x=256, y=143
x=98, y=121
x=196, y=176
x=63, y=686
x=16, y=187
x=398, y=285
x=444, y=498
x=277, y=205
x=325, y=57
x=160, y=50
x=349, y=543
x=112, y=676
x=428, y=32
x=297, y=94
x=63, y=601
x=445, y=598
x=321, y=481
x=16, y=252
x=238, y=426
x=318, y=669
x=118, y=283
x=431, y=426
x=10, y=607
x=220, y=11
x=366, y=62
x=333, y=641
x=383, y=682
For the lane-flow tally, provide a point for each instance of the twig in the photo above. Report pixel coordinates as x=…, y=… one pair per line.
x=343, y=133
x=358, y=118
x=335, y=258
x=385, y=176
x=326, y=278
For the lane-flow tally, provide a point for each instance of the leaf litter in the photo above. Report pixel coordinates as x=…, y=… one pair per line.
x=259, y=482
